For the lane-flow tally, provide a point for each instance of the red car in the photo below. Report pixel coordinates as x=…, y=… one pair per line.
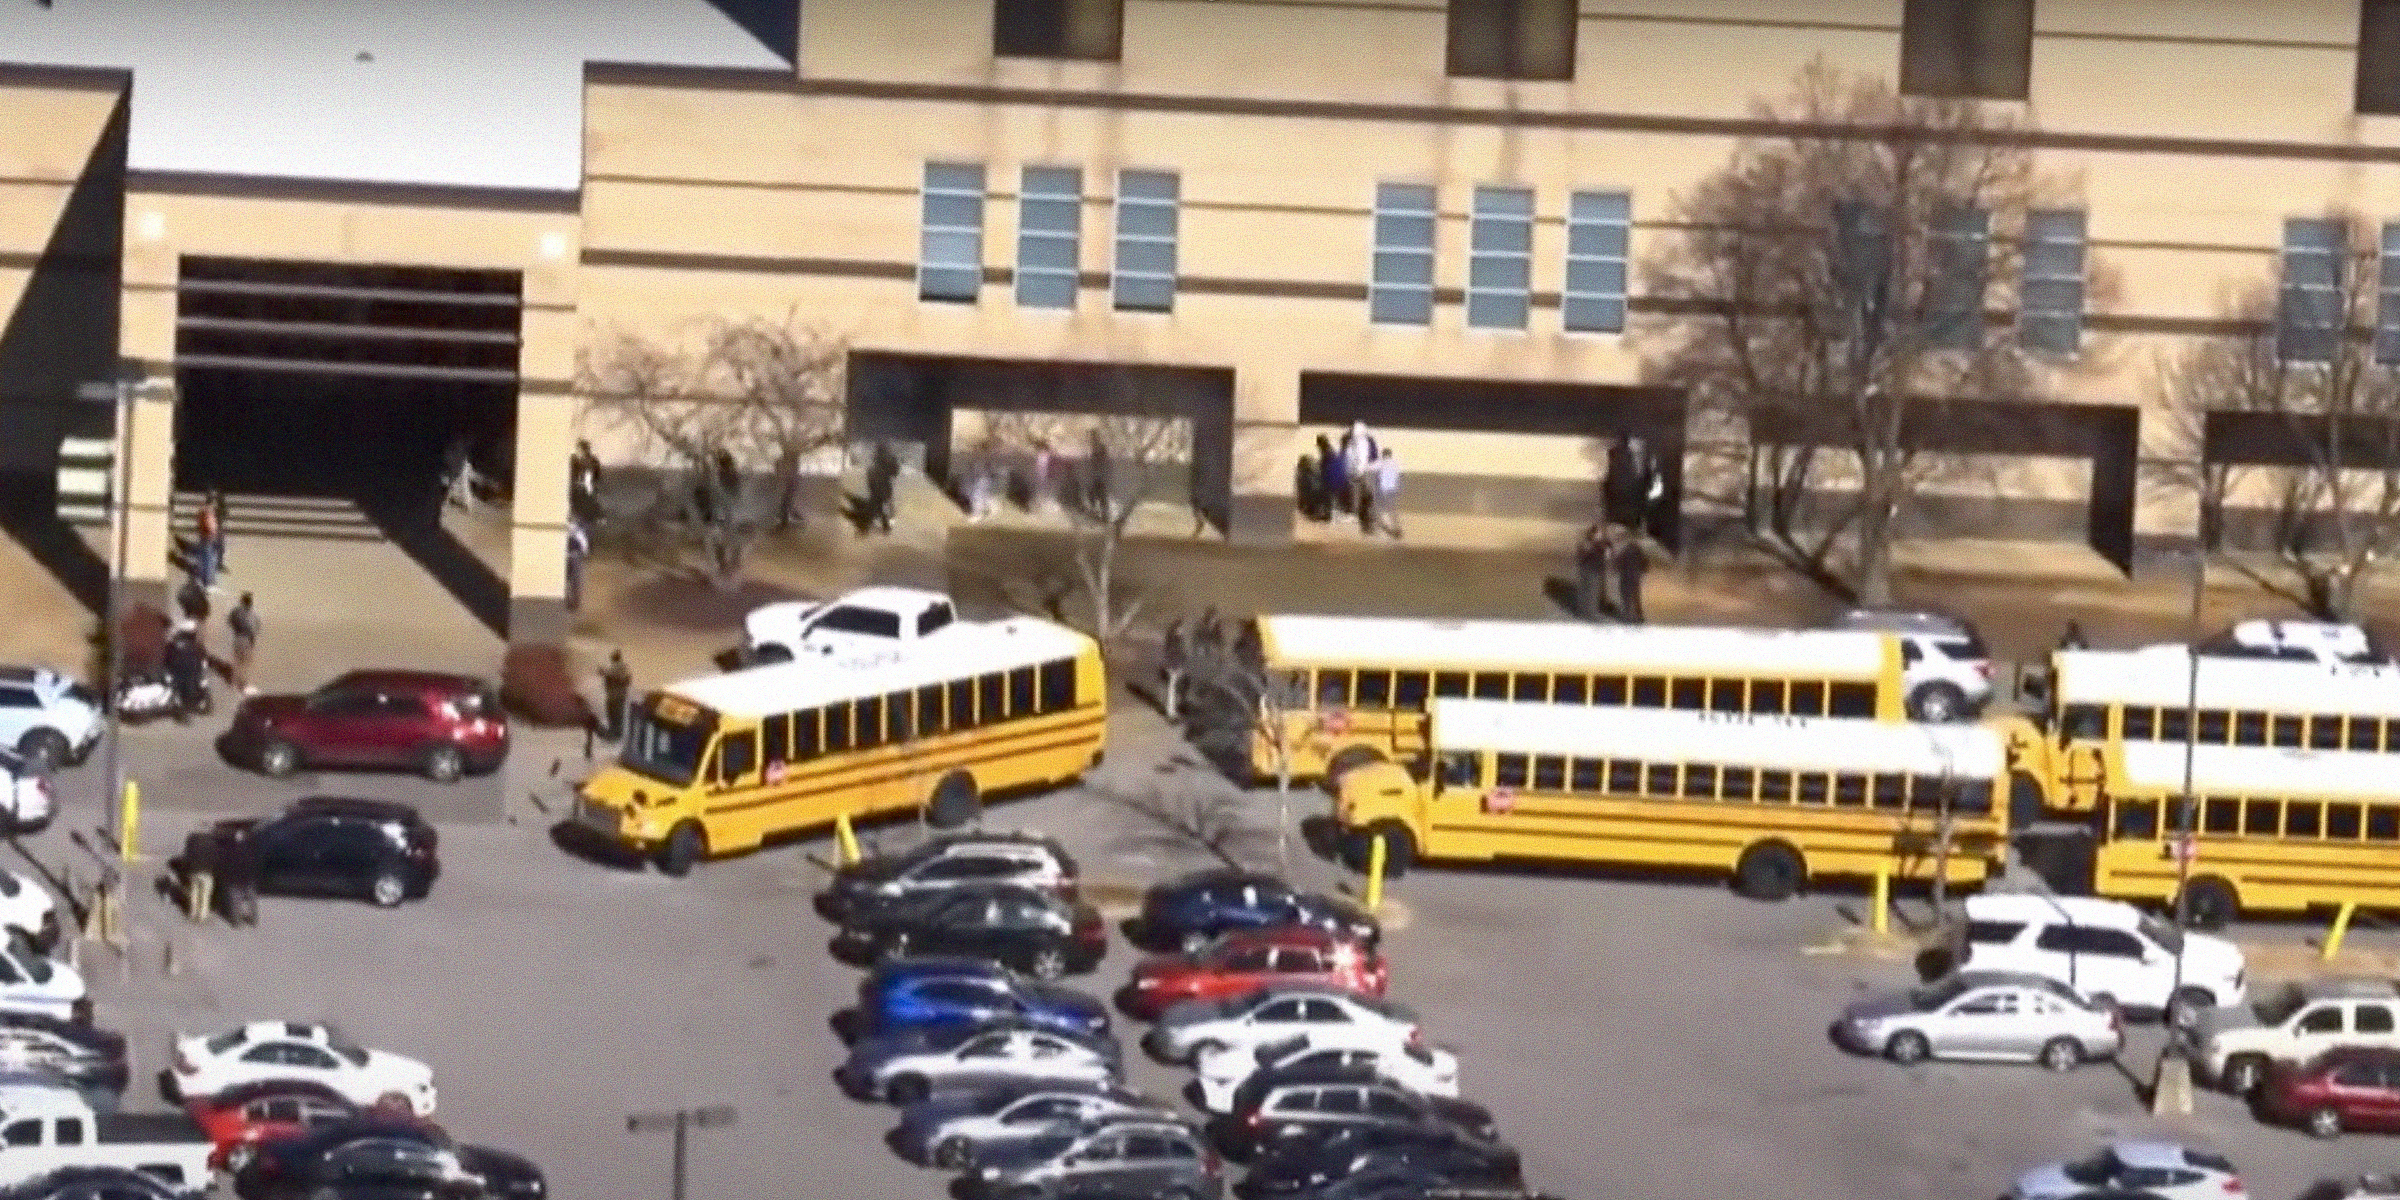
x=443, y=726
x=2349, y=1087
x=240, y=1117
x=1243, y=961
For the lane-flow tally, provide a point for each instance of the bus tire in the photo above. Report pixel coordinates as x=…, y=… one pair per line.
x=1349, y=758
x=1938, y=703
x=2209, y=902
x=1770, y=871
x=682, y=850
x=954, y=803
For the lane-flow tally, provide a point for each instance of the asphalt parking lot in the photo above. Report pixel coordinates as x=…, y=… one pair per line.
x=1636, y=1039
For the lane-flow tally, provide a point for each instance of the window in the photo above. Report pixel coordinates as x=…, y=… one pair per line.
x=1850, y=789
x=1775, y=787
x=737, y=757
x=1057, y=685
x=1021, y=692
x=1891, y=791
x=1410, y=689
x=2213, y=724
x=2250, y=729
x=1088, y=30
x=2378, y=81
x=1649, y=691
x=2174, y=725
x=1599, y=238
x=1981, y=49
x=2262, y=816
x=950, y=247
x=1491, y=685
x=2309, y=316
x=899, y=719
x=991, y=698
x=70, y=1131
x=806, y=744
x=1808, y=699
x=2303, y=818
x=1510, y=770
x=1852, y=700
x=1401, y=292
x=1700, y=782
x=1570, y=689
x=2325, y=732
x=1530, y=687
x=1549, y=773
x=1608, y=689
x=1049, y=236
x=1147, y=216
x=1512, y=39
x=2383, y=823
x=1690, y=695
x=1584, y=775
x=1961, y=253
x=1624, y=776
x=2366, y=733
x=837, y=728
x=1811, y=787
x=2141, y=724
x=930, y=717
x=777, y=743
x=1658, y=779
x=2371, y=1018
x=2221, y=816
x=22, y=1133
x=1500, y=262
x=1341, y=1100
x=2285, y=731
x=1738, y=783
x=1450, y=683
x=2137, y=818
x=1768, y=697
x=1728, y=696
x=2321, y=1020
x=2341, y=820
x=2050, y=303
x=867, y=730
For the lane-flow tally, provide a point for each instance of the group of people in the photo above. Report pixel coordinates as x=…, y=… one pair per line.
x=1357, y=477
x=1609, y=565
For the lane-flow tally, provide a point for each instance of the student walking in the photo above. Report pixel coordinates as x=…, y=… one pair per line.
x=1591, y=570
x=1632, y=563
x=207, y=543
x=1174, y=658
x=616, y=688
x=579, y=548
x=883, y=480
x=583, y=483
x=242, y=623
x=980, y=487
x=1386, y=516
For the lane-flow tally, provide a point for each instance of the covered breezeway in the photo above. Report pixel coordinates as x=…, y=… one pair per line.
x=2269, y=479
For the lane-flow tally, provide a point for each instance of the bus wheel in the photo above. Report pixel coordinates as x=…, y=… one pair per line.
x=954, y=802
x=1399, y=849
x=1769, y=871
x=2210, y=903
x=1349, y=758
x=681, y=850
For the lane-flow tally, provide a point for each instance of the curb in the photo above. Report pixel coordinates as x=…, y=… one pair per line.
x=2303, y=960
x=1866, y=943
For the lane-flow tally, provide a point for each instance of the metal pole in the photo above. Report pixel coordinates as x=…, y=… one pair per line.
x=683, y=1125
x=2186, y=819
x=121, y=512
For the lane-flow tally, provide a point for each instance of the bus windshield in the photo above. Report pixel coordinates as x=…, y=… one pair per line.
x=664, y=752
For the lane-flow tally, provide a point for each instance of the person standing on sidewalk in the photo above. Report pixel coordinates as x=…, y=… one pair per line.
x=616, y=687
x=1633, y=562
x=205, y=543
x=242, y=623
x=1387, y=494
x=883, y=480
x=579, y=548
x=1174, y=656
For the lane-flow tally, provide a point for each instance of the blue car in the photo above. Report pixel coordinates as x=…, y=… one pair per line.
x=1190, y=912
x=923, y=993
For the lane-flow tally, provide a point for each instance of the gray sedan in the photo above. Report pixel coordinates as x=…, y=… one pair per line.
x=1997, y=1016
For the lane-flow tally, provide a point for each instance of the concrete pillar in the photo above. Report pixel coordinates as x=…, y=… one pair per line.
x=1266, y=423
x=537, y=543
x=146, y=442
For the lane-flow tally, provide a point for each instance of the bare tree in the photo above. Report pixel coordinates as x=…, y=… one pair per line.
x=1122, y=461
x=1828, y=299
x=728, y=416
x=1236, y=706
x=2305, y=385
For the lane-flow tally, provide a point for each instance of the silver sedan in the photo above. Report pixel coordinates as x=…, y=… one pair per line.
x=1994, y=1016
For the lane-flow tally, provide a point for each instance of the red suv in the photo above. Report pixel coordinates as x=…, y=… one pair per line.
x=2348, y=1087
x=1246, y=960
x=442, y=726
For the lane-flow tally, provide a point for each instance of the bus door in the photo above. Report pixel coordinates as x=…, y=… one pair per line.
x=732, y=777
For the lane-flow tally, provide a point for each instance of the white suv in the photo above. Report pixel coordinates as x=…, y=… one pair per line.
x=2295, y=1023
x=1943, y=662
x=2106, y=949
x=45, y=716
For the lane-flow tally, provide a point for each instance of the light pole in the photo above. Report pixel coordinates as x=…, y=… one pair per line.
x=2171, y=1089
x=682, y=1121
x=119, y=393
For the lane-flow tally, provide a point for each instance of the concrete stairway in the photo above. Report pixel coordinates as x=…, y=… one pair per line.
x=304, y=517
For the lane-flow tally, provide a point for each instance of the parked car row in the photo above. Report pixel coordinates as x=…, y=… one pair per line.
x=1272, y=995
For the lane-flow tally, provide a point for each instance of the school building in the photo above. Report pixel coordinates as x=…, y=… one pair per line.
x=330, y=237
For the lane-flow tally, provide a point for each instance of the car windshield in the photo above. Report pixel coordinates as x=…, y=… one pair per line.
x=1936, y=994
x=351, y=1054
x=29, y=960
x=669, y=753
x=227, y=1040
x=2094, y=1171
x=2277, y=1006
x=2167, y=936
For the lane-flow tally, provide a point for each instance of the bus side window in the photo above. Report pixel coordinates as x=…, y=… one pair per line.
x=737, y=758
x=1891, y=791
x=1775, y=787
x=1530, y=686
x=1808, y=698
x=961, y=703
x=1450, y=683
x=1728, y=695
x=931, y=719
x=1700, y=782
x=1462, y=768
x=1658, y=779
x=2249, y=729
x=2086, y=722
x=1738, y=783
x=1374, y=689
x=2325, y=731
x=1509, y=770
x=1410, y=689
x=2287, y=732
x=2383, y=823
x=1608, y=689
x=2262, y=816
x=2221, y=816
x=2214, y=724
x=1624, y=776
x=991, y=699
x=1768, y=697
x=1649, y=691
x=837, y=728
x=1974, y=796
x=1583, y=775
x=2136, y=818
x=776, y=739
x=1690, y=695
x=2141, y=724
x=1491, y=685
x=899, y=718
x=1810, y=787
x=866, y=729
x=805, y=743
x=2342, y=820
x=2303, y=818
x=1333, y=689
x=2174, y=725
x=1021, y=692
x=1571, y=689
x=1852, y=700
x=1058, y=686
x=1850, y=790
x=2382, y=737
x=1549, y=773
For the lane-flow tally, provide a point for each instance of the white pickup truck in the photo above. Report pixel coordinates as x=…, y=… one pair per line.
x=861, y=625
x=45, y=1128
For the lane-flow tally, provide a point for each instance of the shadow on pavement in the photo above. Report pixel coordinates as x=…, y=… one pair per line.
x=29, y=515
x=584, y=844
x=416, y=529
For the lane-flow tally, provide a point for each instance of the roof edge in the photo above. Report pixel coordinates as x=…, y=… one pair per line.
x=53, y=75
x=728, y=79
x=562, y=201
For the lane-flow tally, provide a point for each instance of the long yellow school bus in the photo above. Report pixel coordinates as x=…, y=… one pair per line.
x=2293, y=768
x=1775, y=801
x=717, y=765
x=1359, y=687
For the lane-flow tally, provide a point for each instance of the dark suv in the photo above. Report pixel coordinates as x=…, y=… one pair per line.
x=1306, y=1165
x=1318, y=1101
x=1152, y=1156
x=945, y=862
x=1188, y=913
x=1035, y=932
x=444, y=727
x=377, y=850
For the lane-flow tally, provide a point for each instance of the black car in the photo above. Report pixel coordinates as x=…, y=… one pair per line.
x=95, y=1183
x=1190, y=912
x=90, y=1060
x=941, y=863
x=382, y=1157
x=375, y=850
x=1035, y=932
x=1303, y=1165
x=1313, y=1101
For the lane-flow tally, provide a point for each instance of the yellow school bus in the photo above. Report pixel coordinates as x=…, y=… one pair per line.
x=717, y=765
x=1774, y=800
x=1356, y=689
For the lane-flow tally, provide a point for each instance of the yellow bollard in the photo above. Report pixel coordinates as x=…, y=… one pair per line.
x=129, y=825
x=847, y=838
x=1375, y=854
x=1882, y=922
x=2340, y=930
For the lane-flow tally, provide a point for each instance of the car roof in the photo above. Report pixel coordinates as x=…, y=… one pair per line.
x=1117, y=1120
x=243, y=1093
x=1318, y=1073
x=1207, y=876
x=2023, y=979
x=988, y=888
x=2148, y=1154
x=353, y=806
x=404, y=678
x=1284, y=935
x=70, y=1030
x=932, y=966
x=2349, y=988
x=948, y=842
x=1905, y=620
x=2071, y=910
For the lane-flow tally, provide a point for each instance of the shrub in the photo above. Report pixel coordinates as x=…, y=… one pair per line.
x=537, y=684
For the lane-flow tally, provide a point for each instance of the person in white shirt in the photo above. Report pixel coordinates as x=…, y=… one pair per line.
x=1387, y=493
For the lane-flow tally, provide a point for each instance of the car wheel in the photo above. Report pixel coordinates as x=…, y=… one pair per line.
x=278, y=758
x=444, y=764
x=894, y=945
x=954, y=802
x=45, y=751
x=681, y=850
x=1194, y=941
x=1937, y=703
x=1049, y=962
x=2185, y=1007
x=2325, y=1123
x=954, y=1154
x=388, y=889
x=2062, y=1054
x=906, y=1089
x=1908, y=1046
x=2209, y=902
x=2243, y=1074
x=1203, y=1048
x=1770, y=871
x=237, y=1158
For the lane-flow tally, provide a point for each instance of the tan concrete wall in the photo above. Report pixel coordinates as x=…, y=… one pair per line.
x=61, y=157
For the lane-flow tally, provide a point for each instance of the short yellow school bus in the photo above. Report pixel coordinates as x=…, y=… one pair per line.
x=717, y=765
x=1774, y=800
x=1358, y=687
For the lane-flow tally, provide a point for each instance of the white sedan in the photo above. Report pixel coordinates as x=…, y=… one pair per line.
x=1192, y=1029
x=304, y=1051
x=32, y=982
x=2161, y=1169
x=906, y=1068
x=1425, y=1070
